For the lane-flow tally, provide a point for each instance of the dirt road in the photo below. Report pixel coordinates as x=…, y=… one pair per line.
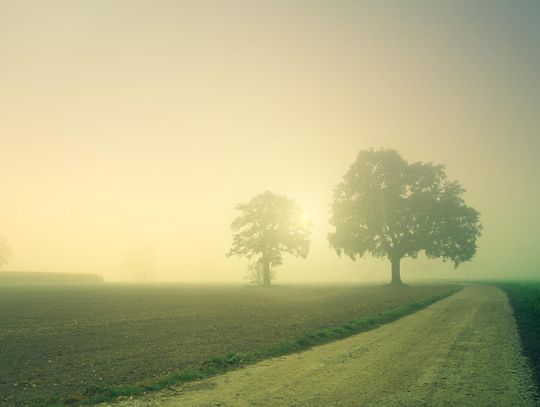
x=461, y=351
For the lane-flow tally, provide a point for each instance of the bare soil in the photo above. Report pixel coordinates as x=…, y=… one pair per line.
x=461, y=351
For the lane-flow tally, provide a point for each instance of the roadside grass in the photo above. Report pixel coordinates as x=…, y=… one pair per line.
x=83, y=345
x=219, y=365
x=525, y=301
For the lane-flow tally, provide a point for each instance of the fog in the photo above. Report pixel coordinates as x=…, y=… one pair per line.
x=131, y=129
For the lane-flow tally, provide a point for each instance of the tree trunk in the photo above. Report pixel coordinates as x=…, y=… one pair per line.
x=266, y=272
x=396, y=276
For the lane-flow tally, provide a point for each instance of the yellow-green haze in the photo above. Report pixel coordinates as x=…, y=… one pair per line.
x=129, y=130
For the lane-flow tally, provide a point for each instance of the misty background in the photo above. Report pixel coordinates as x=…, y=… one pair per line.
x=137, y=126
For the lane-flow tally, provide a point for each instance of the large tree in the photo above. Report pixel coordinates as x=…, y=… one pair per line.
x=392, y=209
x=268, y=226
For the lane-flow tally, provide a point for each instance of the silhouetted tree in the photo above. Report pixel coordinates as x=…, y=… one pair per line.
x=268, y=226
x=5, y=251
x=389, y=208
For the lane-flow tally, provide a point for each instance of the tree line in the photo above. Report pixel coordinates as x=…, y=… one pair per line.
x=384, y=206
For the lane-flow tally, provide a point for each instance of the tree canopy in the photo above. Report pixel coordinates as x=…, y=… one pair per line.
x=390, y=208
x=268, y=226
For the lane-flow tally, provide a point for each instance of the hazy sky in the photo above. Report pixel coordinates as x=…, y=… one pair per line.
x=141, y=124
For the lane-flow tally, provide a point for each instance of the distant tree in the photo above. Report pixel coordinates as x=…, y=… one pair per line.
x=390, y=208
x=5, y=251
x=140, y=263
x=268, y=226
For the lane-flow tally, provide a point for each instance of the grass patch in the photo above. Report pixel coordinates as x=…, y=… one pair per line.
x=219, y=365
x=525, y=301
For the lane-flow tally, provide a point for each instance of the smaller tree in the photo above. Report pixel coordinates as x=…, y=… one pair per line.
x=268, y=226
x=5, y=251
